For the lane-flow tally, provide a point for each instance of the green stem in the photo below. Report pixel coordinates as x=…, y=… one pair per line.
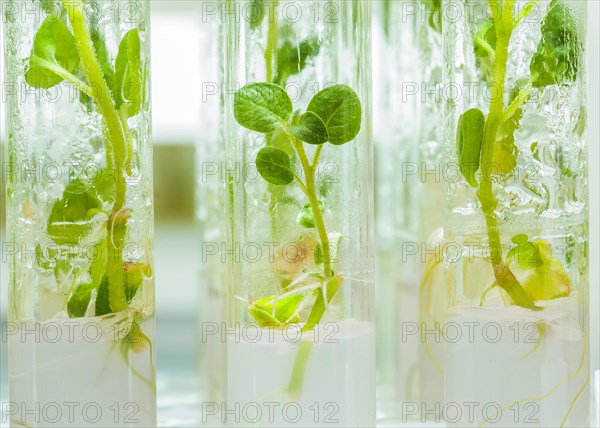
x=115, y=139
x=521, y=98
x=504, y=276
x=59, y=71
x=297, y=380
x=311, y=194
x=315, y=162
x=301, y=184
x=485, y=46
x=298, y=371
x=129, y=140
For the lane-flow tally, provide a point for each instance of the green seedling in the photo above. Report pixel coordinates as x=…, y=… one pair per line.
x=483, y=142
x=333, y=118
x=70, y=48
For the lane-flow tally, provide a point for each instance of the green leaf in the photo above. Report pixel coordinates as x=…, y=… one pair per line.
x=309, y=128
x=262, y=107
x=69, y=219
x=48, y=6
x=134, y=274
x=69, y=266
x=292, y=58
x=54, y=51
x=257, y=13
x=274, y=312
x=274, y=166
x=102, y=298
x=340, y=110
x=484, y=44
x=318, y=309
x=545, y=277
x=263, y=318
x=104, y=60
x=469, y=139
x=105, y=186
x=520, y=238
x=128, y=74
x=505, y=150
x=559, y=55
x=105, y=65
x=46, y=261
x=524, y=253
x=80, y=300
x=306, y=217
x=133, y=278
x=281, y=140
x=434, y=13
x=98, y=266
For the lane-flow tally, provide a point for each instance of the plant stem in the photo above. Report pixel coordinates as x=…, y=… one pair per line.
x=298, y=371
x=315, y=162
x=311, y=194
x=296, y=382
x=504, y=276
x=115, y=140
x=485, y=46
x=521, y=98
x=128, y=139
x=59, y=71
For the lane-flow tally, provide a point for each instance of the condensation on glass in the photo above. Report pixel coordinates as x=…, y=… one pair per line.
x=517, y=338
x=277, y=268
x=80, y=214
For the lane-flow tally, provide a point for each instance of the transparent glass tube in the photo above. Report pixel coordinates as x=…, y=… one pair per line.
x=80, y=214
x=430, y=206
x=397, y=223
x=211, y=204
x=300, y=262
x=516, y=210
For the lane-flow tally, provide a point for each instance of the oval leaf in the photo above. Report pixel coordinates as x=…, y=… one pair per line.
x=128, y=74
x=306, y=217
x=274, y=166
x=469, y=137
x=276, y=311
x=263, y=318
x=257, y=13
x=262, y=107
x=69, y=221
x=133, y=278
x=310, y=129
x=79, y=300
x=548, y=279
x=340, y=110
x=54, y=49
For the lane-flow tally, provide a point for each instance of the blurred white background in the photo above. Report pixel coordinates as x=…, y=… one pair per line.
x=179, y=123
